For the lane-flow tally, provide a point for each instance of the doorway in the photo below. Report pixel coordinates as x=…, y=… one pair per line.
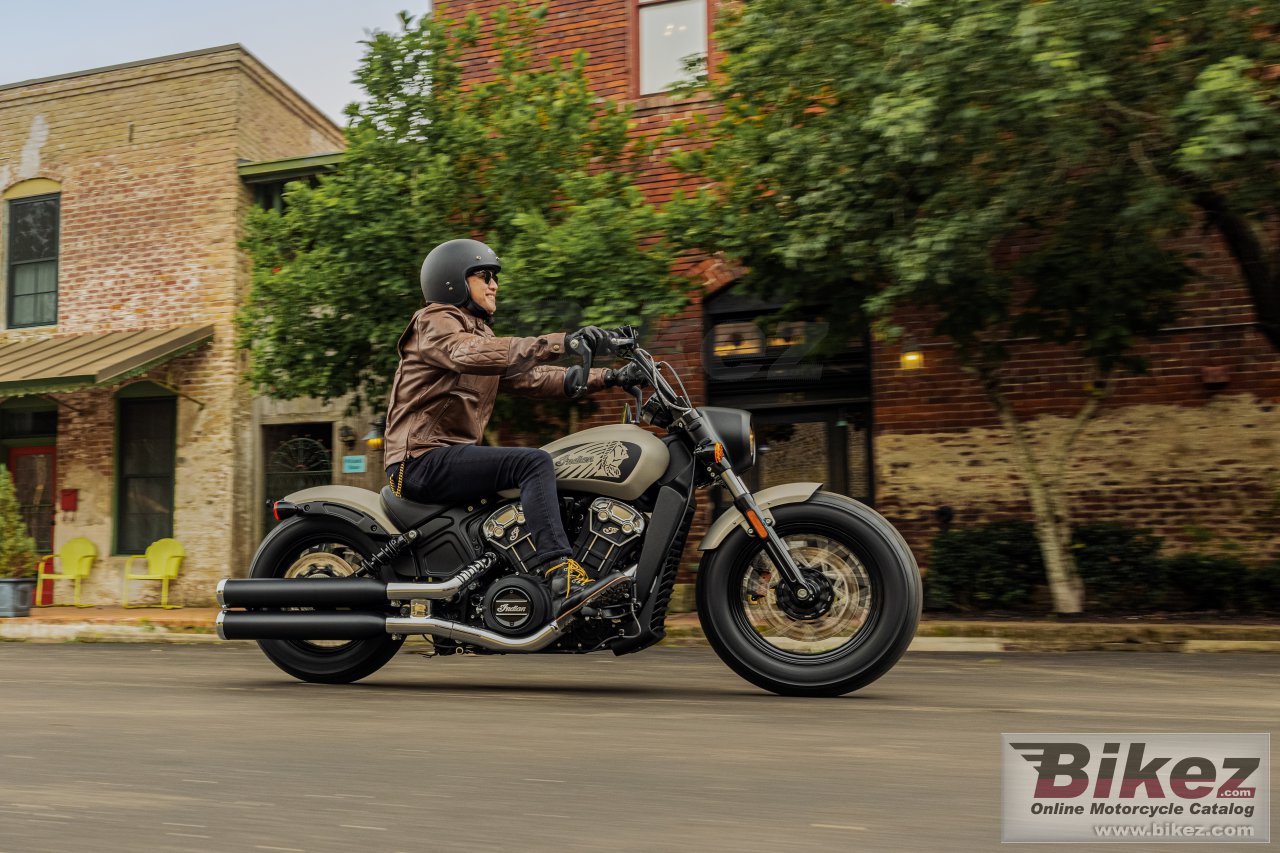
x=32, y=470
x=296, y=456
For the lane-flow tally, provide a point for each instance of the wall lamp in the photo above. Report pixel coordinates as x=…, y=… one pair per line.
x=911, y=357
x=376, y=436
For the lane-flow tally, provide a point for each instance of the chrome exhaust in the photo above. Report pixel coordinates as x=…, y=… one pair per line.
x=463, y=633
x=354, y=593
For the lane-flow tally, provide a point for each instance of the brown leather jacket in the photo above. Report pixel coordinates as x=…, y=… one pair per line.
x=451, y=369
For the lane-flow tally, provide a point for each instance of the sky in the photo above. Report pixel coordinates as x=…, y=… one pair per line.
x=314, y=45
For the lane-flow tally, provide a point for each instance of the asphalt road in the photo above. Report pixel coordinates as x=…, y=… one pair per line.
x=181, y=748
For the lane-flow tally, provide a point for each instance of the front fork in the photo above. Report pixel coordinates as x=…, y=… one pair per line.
x=773, y=544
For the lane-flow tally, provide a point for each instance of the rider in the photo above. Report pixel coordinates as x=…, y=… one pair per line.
x=451, y=369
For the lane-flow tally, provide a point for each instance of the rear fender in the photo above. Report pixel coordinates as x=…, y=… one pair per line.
x=787, y=493
x=360, y=508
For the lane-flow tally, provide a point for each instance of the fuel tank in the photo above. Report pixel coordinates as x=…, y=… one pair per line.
x=618, y=461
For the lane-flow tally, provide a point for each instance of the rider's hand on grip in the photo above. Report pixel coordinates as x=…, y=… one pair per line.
x=630, y=376
x=575, y=382
x=593, y=338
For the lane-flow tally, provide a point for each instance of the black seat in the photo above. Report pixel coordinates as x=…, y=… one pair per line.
x=408, y=514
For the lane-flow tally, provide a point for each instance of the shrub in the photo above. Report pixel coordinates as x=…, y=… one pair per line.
x=996, y=566
x=1207, y=582
x=17, y=550
x=1264, y=586
x=1120, y=566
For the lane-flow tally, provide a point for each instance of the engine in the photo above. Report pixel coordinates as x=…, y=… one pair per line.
x=609, y=526
x=606, y=533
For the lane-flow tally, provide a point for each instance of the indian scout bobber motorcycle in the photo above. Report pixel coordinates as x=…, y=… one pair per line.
x=800, y=591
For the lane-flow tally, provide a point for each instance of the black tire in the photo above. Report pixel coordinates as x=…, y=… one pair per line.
x=889, y=620
x=325, y=664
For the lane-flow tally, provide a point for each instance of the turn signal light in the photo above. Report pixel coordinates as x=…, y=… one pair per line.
x=281, y=510
x=718, y=455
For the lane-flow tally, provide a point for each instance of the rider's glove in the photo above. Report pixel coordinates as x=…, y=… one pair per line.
x=575, y=382
x=630, y=376
x=594, y=338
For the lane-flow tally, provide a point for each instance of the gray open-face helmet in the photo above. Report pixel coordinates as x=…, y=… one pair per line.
x=445, y=271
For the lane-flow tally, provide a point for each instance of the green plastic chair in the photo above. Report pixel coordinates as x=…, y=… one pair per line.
x=163, y=558
x=77, y=557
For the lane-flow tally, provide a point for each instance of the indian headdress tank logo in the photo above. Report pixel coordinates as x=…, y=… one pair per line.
x=597, y=460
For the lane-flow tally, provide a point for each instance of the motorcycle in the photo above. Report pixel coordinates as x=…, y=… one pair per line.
x=800, y=591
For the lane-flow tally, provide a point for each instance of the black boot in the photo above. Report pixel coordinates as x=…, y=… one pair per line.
x=609, y=590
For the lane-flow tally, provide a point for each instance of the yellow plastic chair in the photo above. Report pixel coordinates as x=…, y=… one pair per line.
x=163, y=558
x=77, y=558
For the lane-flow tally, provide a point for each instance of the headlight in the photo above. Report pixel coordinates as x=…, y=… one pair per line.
x=733, y=426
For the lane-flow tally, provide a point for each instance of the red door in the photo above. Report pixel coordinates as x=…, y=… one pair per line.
x=32, y=469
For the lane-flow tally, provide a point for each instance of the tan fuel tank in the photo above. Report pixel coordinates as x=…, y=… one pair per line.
x=618, y=461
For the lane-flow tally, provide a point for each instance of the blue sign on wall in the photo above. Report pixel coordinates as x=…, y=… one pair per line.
x=353, y=465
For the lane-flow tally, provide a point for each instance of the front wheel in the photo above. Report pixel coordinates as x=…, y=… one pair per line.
x=311, y=547
x=861, y=623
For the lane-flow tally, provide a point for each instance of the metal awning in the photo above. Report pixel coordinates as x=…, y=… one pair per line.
x=71, y=362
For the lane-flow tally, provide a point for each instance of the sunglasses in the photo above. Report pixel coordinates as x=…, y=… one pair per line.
x=488, y=276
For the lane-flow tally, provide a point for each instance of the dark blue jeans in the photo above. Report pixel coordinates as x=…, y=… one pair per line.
x=464, y=472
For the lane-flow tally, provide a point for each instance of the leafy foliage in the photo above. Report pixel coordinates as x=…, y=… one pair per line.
x=881, y=153
x=1121, y=567
x=992, y=567
x=532, y=162
x=17, y=549
x=997, y=566
x=1016, y=168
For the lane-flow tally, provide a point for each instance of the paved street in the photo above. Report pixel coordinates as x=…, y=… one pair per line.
x=210, y=748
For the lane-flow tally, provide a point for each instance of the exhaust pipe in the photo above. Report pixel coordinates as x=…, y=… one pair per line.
x=463, y=633
x=304, y=625
x=373, y=597
x=357, y=625
x=330, y=593
x=321, y=593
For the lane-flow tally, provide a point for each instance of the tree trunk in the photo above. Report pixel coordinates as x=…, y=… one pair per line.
x=1049, y=503
x=1261, y=273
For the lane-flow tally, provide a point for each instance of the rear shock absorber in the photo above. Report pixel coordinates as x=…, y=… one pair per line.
x=391, y=550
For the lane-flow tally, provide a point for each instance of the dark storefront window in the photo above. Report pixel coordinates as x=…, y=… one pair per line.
x=33, y=261
x=809, y=394
x=145, y=457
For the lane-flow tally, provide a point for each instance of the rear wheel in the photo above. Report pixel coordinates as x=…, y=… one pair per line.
x=310, y=547
x=848, y=635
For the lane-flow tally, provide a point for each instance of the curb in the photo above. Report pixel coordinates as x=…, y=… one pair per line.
x=683, y=630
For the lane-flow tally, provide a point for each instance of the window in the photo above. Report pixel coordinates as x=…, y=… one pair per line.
x=670, y=32
x=33, y=261
x=144, y=471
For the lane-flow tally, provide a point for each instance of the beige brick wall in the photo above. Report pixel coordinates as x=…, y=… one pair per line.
x=151, y=215
x=1180, y=471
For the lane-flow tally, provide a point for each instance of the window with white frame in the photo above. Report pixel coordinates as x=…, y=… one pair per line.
x=671, y=32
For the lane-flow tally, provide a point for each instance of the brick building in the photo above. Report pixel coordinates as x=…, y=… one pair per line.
x=123, y=416
x=1192, y=447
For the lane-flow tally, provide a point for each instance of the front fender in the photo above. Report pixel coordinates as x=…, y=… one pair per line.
x=787, y=493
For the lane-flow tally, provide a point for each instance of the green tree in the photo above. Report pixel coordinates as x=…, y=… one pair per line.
x=531, y=161
x=17, y=549
x=1016, y=167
